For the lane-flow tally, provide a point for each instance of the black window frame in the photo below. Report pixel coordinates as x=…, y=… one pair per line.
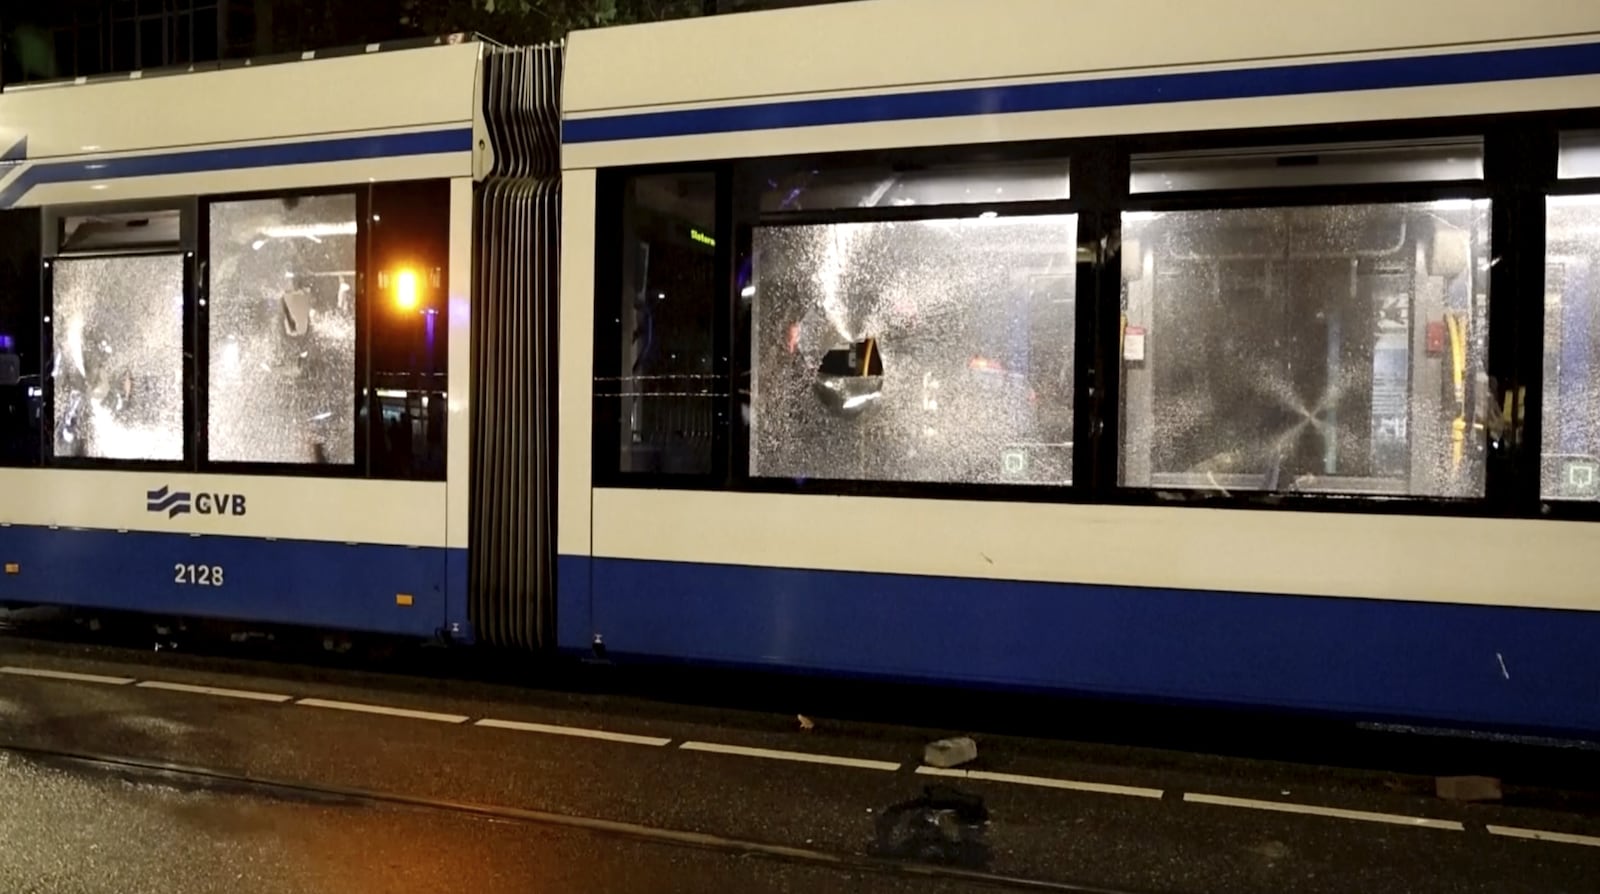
x=1316, y=196
x=605, y=430
x=748, y=217
x=1519, y=172
x=1545, y=180
x=193, y=244
x=52, y=219
x=31, y=270
x=200, y=433
x=365, y=387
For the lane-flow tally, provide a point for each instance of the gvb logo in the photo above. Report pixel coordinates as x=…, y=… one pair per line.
x=180, y=502
x=173, y=503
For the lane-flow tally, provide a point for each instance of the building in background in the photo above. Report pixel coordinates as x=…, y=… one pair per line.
x=77, y=38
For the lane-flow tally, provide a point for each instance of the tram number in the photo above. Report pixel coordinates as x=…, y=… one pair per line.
x=197, y=575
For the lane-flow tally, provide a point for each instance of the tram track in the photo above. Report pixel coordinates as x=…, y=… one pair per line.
x=217, y=780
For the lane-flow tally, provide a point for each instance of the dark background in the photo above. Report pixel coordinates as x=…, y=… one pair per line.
x=44, y=40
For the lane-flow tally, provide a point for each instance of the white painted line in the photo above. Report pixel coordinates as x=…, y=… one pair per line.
x=214, y=690
x=380, y=709
x=804, y=757
x=65, y=675
x=578, y=731
x=1542, y=835
x=1336, y=812
x=1102, y=788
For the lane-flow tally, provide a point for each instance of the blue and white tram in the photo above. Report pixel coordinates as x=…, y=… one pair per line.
x=1200, y=352
x=1154, y=354
x=237, y=310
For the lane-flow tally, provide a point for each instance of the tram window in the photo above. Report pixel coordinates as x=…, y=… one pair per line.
x=21, y=389
x=408, y=303
x=879, y=187
x=928, y=351
x=282, y=330
x=1336, y=164
x=662, y=390
x=1580, y=155
x=1335, y=350
x=1571, y=414
x=150, y=230
x=117, y=369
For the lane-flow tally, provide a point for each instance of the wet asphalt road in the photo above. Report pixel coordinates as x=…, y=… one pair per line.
x=1130, y=822
x=76, y=830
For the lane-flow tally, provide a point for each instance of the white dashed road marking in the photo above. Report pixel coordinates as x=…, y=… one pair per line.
x=380, y=709
x=65, y=675
x=812, y=758
x=1103, y=788
x=1337, y=812
x=804, y=757
x=1541, y=835
x=214, y=690
x=578, y=731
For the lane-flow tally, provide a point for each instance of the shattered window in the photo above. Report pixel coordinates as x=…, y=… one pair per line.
x=1571, y=414
x=117, y=371
x=1333, y=350
x=932, y=351
x=830, y=189
x=282, y=331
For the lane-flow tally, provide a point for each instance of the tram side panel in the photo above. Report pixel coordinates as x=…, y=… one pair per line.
x=838, y=409
x=226, y=372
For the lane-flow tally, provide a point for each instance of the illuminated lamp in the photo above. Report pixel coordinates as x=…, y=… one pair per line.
x=405, y=290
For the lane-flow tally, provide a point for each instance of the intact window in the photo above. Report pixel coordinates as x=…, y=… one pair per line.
x=661, y=395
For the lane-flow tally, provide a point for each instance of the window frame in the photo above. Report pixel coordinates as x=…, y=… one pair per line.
x=360, y=467
x=1555, y=187
x=50, y=254
x=32, y=271
x=1285, y=197
x=605, y=432
x=1519, y=166
x=193, y=243
x=47, y=353
x=750, y=218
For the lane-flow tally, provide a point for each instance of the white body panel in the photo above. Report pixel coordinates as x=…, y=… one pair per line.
x=248, y=180
x=1425, y=559
x=892, y=48
x=298, y=125
x=421, y=88
x=573, y=458
x=397, y=513
x=953, y=46
x=1371, y=105
x=900, y=45
x=458, y=426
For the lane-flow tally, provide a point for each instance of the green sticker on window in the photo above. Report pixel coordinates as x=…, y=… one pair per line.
x=1581, y=477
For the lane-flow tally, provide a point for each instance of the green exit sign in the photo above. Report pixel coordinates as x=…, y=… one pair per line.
x=702, y=238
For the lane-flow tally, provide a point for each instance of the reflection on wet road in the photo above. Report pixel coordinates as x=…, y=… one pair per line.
x=69, y=828
x=361, y=783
